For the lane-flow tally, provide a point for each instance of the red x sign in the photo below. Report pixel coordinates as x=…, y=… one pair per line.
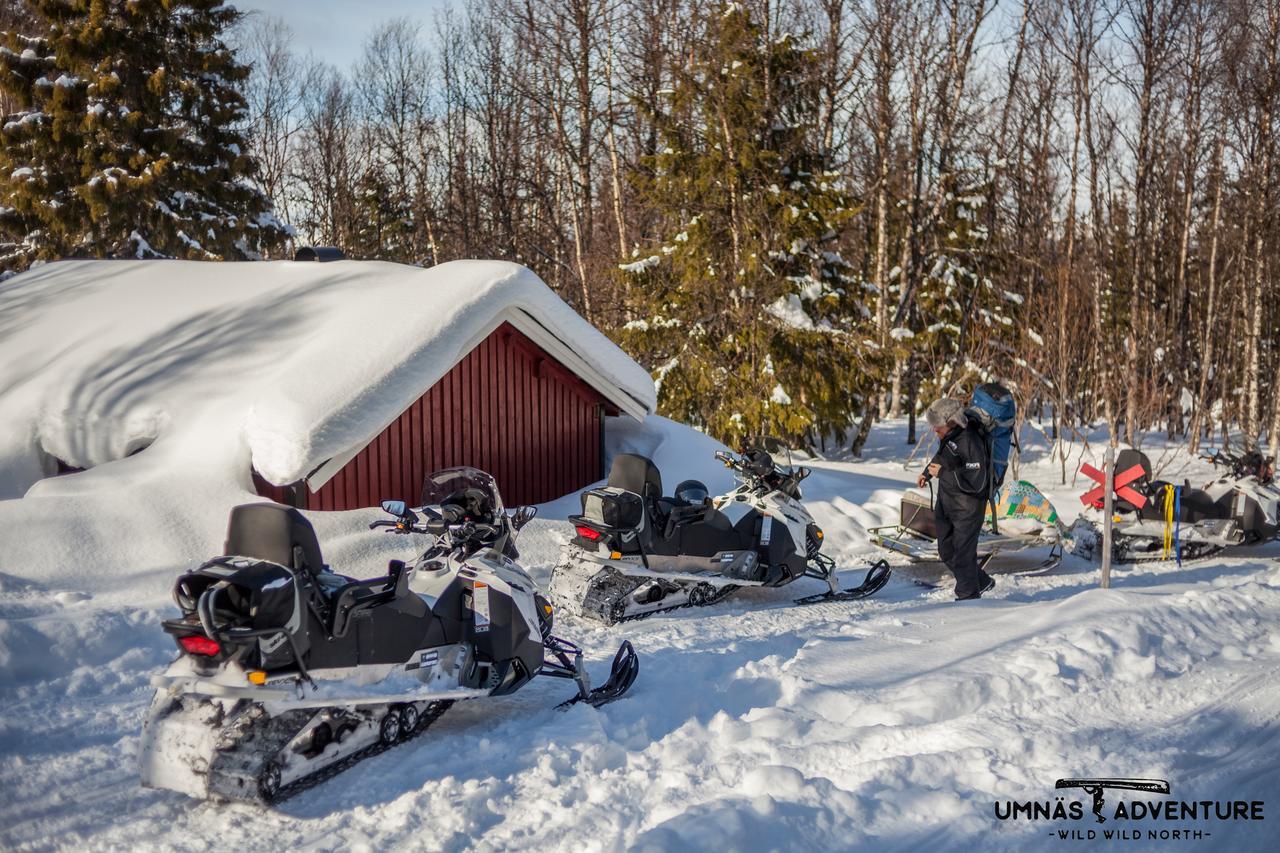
x=1121, y=485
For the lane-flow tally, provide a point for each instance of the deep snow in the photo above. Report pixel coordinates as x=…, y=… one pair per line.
x=892, y=723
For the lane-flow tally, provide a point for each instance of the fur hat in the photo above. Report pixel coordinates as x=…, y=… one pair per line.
x=944, y=411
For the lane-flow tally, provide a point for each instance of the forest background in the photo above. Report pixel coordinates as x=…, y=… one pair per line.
x=802, y=216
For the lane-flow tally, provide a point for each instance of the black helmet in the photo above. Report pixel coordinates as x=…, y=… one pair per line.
x=692, y=493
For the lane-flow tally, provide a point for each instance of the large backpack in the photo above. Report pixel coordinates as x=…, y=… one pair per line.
x=994, y=406
x=995, y=411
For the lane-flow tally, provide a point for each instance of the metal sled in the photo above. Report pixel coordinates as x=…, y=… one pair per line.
x=1026, y=519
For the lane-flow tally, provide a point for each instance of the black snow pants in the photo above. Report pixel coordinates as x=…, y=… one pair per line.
x=959, y=521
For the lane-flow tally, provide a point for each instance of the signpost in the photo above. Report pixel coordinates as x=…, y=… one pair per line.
x=1108, y=487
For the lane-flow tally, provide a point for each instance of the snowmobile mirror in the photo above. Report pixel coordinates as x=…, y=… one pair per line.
x=396, y=508
x=523, y=515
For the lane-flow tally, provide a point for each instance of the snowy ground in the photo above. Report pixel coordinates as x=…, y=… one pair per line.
x=894, y=723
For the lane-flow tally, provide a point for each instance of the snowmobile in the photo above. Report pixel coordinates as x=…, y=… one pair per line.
x=288, y=673
x=1248, y=492
x=1021, y=518
x=1240, y=508
x=637, y=552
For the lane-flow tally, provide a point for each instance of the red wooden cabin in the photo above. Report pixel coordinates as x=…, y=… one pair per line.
x=507, y=407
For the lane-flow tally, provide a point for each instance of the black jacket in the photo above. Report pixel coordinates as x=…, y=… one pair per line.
x=965, y=462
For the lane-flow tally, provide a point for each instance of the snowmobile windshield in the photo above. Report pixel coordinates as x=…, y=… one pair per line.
x=441, y=485
x=776, y=448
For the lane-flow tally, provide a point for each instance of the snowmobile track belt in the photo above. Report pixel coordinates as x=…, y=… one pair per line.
x=425, y=719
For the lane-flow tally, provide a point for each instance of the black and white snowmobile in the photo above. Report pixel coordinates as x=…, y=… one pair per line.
x=1241, y=507
x=289, y=673
x=638, y=552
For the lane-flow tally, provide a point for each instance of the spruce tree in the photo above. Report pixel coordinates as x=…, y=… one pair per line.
x=129, y=139
x=964, y=323
x=747, y=313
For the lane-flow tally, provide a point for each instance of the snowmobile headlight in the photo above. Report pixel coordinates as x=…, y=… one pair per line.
x=256, y=676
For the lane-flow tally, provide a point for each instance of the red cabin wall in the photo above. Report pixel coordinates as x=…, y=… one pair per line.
x=507, y=407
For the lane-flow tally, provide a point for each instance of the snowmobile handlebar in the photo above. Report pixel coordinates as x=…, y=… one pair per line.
x=756, y=468
x=402, y=526
x=1250, y=465
x=746, y=464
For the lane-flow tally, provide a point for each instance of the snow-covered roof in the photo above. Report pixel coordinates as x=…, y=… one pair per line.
x=301, y=363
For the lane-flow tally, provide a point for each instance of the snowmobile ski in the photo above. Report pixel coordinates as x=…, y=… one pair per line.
x=622, y=674
x=877, y=576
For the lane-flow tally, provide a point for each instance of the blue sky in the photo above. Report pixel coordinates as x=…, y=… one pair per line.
x=335, y=30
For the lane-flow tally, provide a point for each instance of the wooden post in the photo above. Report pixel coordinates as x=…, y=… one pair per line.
x=1108, y=486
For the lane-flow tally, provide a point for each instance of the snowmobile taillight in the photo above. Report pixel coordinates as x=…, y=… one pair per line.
x=589, y=533
x=197, y=645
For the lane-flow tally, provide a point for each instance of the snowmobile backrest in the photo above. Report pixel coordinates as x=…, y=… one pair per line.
x=1125, y=460
x=276, y=533
x=1129, y=457
x=637, y=474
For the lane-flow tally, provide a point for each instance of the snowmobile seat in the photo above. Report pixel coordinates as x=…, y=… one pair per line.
x=683, y=516
x=1193, y=504
x=357, y=596
x=711, y=533
x=282, y=535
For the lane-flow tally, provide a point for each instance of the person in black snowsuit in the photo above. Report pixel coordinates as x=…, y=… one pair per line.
x=962, y=469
